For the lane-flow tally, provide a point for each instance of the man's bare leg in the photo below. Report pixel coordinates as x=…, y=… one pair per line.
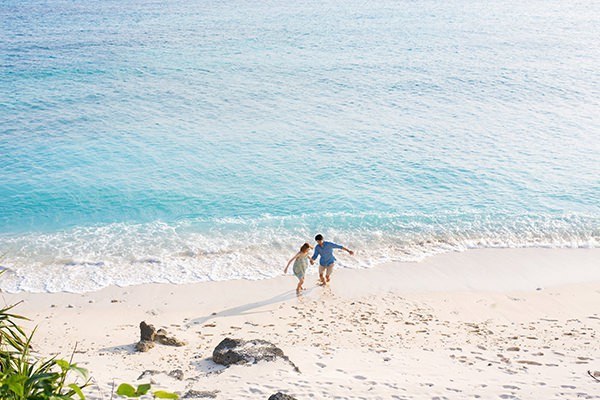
x=321, y=277
x=329, y=271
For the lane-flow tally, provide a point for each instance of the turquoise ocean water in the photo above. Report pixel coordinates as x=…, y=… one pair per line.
x=182, y=141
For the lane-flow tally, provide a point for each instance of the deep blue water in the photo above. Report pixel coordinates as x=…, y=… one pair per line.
x=151, y=142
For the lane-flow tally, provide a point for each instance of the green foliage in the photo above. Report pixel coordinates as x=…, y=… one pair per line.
x=126, y=390
x=25, y=377
x=161, y=394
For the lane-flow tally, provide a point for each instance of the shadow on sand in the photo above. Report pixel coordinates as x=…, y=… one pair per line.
x=246, y=309
x=122, y=349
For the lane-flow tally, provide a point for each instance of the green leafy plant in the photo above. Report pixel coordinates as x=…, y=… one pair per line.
x=161, y=394
x=126, y=390
x=26, y=377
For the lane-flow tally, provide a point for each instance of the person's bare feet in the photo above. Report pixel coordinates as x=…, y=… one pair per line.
x=328, y=279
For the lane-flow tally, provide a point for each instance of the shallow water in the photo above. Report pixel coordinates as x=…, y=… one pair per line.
x=149, y=142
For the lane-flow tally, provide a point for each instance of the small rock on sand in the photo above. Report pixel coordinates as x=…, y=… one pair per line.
x=147, y=373
x=149, y=335
x=200, y=394
x=281, y=396
x=162, y=338
x=144, y=345
x=177, y=374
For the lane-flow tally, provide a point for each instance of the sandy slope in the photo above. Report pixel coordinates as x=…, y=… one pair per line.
x=498, y=323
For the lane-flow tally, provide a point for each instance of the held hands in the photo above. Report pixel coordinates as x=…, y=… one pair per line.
x=312, y=262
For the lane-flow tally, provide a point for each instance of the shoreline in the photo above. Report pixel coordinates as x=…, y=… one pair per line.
x=392, y=330
x=461, y=271
x=440, y=261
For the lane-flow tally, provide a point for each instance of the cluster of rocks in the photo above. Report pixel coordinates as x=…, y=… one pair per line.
x=238, y=351
x=196, y=394
x=149, y=336
x=228, y=352
x=176, y=373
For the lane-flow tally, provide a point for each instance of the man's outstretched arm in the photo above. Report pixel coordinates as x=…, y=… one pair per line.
x=339, y=246
x=348, y=250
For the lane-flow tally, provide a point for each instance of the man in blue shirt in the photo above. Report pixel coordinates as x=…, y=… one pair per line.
x=327, y=261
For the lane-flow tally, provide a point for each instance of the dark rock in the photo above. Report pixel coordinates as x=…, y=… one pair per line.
x=196, y=394
x=144, y=345
x=228, y=352
x=177, y=374
x=147, y=373
x=281, y=396
x=147, y=332
x=237, y=351
x=149, y=335
x=162, y=338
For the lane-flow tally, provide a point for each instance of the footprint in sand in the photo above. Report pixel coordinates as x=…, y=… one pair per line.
x=321, y=365
x=360, y=377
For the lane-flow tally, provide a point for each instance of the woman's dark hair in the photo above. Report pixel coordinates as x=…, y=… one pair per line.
x=319, y=237
x=304, y=247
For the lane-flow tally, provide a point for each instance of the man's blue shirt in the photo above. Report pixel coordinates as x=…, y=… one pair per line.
x=326, y=253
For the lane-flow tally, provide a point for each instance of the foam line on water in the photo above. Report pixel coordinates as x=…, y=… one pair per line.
x=88, y=258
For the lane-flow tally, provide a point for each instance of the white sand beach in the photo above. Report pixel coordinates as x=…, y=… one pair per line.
x=493, y=323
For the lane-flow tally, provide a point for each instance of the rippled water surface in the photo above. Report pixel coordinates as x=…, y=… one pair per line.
x=189, y=141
